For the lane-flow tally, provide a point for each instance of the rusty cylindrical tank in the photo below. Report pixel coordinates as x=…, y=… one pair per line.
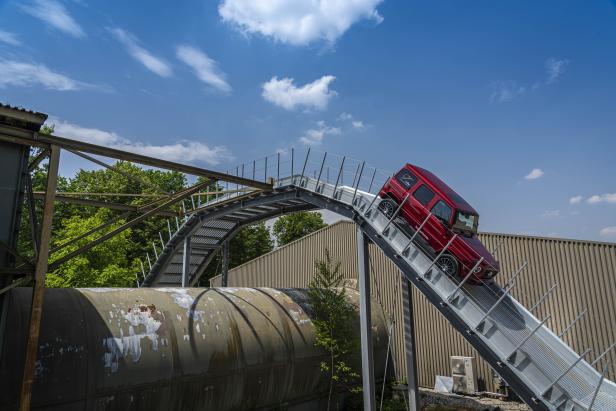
x=171, y=348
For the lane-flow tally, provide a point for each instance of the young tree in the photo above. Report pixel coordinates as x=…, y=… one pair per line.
x=335, y=325
x=294, y=226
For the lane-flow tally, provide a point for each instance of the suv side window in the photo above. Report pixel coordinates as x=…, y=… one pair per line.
x=442, y=211
x=406, y=178
x=423, y=194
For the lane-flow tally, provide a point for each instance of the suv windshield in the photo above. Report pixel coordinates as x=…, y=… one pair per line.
x=466, y=222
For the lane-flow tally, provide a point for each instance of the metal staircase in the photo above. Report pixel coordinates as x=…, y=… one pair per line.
x=542, y=369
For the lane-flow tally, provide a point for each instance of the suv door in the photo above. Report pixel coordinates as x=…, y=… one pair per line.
x=441, y=214
x=420, y=200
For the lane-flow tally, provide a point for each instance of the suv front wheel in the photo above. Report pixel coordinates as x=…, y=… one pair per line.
x=448, y=264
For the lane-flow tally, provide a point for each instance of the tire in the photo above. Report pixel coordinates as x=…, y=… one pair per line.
x=448, y=264
x=388, y=207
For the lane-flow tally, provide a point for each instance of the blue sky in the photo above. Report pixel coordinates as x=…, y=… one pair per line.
x=480, y=92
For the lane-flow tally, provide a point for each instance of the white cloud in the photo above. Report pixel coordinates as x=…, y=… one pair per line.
x=602, y=198
x=504, y=91
x=181, y=151
x=298, y=22
x=345, y=117
x=204, y=67
x=576, y=200
x=9, y=38
x=359, y=125
x=54, y=14
x=534, y=174
x=315, y=136
x=287, y=95
x=15, y=73
x=555, y=68
x=609, y=232
x=151, y=62
x=551, y=214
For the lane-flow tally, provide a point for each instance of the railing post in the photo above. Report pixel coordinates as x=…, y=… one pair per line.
x=480, y=324
x=561, y=376
x=361, y=171
x=265, y=171
x=511, y=356
x=254, y=168
x=567, y=328
x=169, y=229
x=305, y=163
x=454, y=295
x=603, y=354
x=162, y=243
x=407, y=247
x=155, y=252
x=395, y=214
x=147, y=256
x=426, y=274
x=142, y=268
x=225, y=264
x=372, y=181
x=278, y=167
x=186, y=262
x=338, y=178
x=292, y=160
x=542, y=299
x=316, y=188
x=594, y=396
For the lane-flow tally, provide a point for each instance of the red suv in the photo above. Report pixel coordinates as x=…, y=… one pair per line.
x=424, y=193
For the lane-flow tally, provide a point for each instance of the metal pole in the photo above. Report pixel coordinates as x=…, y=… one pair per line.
x=169, y=229
x=409, y=345
x=254, y=168
x=39, y=280
x=361, y=171
x=372, y=180
x=265, y=171
x=338, y=178
x=292, y=158
x=186, y=262
x=155, y=252
x=461, y=284
x=395, y=214
x=162, y=243
x=147, y=255
x=278, y=167
x=426, y=273
x=594, y=397
x=305, y=162
x=602, y=355
x=542, y=299
x=416, y=233
x=578, y=318
x=142, y=269
x=561, y=376
x=320, y=171
x=225, y=264
x=367, y=368
x=481, y=322
x=533, y=331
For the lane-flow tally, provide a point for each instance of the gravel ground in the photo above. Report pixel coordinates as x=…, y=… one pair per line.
x=433, y=401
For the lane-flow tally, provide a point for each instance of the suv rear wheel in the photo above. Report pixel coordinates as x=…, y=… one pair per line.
x=448, y=264
x=388, y=207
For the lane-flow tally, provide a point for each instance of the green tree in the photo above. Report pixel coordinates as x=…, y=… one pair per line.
x=294, y=226
x=335, y=326
x=105, y=265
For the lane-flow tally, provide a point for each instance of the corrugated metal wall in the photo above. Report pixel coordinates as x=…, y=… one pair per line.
x=584, y=271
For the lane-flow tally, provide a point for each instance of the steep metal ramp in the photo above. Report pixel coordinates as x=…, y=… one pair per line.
x=542, y=369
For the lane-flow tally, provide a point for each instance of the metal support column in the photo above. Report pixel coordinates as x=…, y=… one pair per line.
x=367, y=364
x=39, y=280
x=225, y=264
x=409, y=345
x=186, y=262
